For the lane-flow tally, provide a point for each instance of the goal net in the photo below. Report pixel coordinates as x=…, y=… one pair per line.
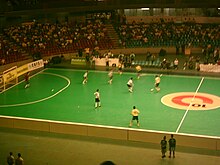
x=1, y=83
x=8, y=78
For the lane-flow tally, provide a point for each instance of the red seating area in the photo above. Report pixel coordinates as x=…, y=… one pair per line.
x=52, y=39
x=9, y=52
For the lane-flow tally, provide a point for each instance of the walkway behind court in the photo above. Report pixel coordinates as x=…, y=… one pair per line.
x=39, y=148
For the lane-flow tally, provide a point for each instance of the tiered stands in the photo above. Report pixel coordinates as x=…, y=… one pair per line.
x=53, y=39
x=169, y=34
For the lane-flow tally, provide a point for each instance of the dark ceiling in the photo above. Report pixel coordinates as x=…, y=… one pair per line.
x=21, y=6
x=133, y=3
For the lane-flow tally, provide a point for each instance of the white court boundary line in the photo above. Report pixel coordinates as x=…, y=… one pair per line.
x=133, y=73
x=46, y=98
x=94, y=71
x=143, y=130
x=110, y=127
x=184, y=116
x=22, y=81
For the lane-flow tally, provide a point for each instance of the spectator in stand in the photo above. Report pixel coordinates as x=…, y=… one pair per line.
x=185, y=65
x=153, y=58
x=10, y=159
x=19, y=160
x=3, y=61
x=163, y=144
x=121, y=57
x=110, y=54
x=132, y=56
x=197, y=67
x=107, y=60
x=216, y=55
x=191, y=62
x=148, y=57
x=172, y=146
x=164, y=64
x=175, y=63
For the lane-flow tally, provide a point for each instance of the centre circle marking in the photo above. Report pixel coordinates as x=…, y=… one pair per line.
x=191, y=101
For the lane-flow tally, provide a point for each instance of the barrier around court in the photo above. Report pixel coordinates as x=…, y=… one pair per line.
x=126, y=134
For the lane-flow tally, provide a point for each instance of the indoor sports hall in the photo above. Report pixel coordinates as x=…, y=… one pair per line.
x=83, y=82
x=182, y=102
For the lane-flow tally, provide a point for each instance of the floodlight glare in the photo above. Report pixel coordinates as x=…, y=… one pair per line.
x=146, y=8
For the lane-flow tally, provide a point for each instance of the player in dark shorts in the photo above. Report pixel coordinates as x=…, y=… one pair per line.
x=172, y=146
x=27, y=80
x=163, y=144
x=120, y=68
x=157, y=83
x=97, y=99
x=135, y=112
x=110, y=75
x=130, y=85
x=85, y=77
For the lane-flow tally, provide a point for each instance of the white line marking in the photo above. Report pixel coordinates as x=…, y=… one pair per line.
x=112, y=126
x=144, y=74
x=22, y=81
x=94, y=71
x=46, y=98
x=104, y=126
x=184, y=116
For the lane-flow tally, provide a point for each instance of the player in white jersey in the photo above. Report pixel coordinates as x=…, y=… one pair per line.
x=97, y=99
x=110, y=75
x=157, y=83
x=85, y=77
x=130, y=85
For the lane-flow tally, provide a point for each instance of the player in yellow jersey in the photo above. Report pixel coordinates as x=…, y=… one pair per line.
x=135, y=112
x=138, y=69
x=120, y=68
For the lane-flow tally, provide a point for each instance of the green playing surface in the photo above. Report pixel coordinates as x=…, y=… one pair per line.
x=59, y=95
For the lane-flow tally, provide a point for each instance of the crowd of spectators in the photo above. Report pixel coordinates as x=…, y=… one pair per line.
x=11, y=160
x=168, y=33
x=105, y=17
x=54, y=38
x=45, y=39
x=9, y=51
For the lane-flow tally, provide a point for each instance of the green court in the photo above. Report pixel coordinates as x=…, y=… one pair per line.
x=59, y=95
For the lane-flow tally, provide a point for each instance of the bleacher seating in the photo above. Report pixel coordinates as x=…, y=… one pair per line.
x=52, y=39
x=167, y=34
